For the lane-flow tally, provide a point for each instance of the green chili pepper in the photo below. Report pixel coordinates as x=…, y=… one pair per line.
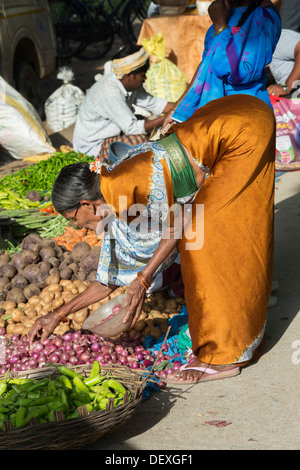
x=17, y=388
x=51, y=416
x=55, y=405
x=7, y=401
x=42, y=401
x=65, y=381
x=75, y=414
x=39, y=384
x=24, y=401
x=93, y=380
x=33, y=395
x=21, y=381
x=51, y=389
x=68, y=372
x=37, y=412
x=99, y=388
x=89, y=407
x=80, y=385
x=82, y=397
x=95, y=370
x=4, y=409
x=102, y=404
x=20, y=415
x=116, y=385
x=64, y=399
x=3, y=388
x=2, y=418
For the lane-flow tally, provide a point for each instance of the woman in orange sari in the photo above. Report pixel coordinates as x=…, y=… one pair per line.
x=226, y=249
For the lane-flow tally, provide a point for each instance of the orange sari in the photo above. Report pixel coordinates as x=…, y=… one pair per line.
x=228, y=281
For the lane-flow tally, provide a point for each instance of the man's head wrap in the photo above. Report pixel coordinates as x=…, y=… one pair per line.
x=130, y=63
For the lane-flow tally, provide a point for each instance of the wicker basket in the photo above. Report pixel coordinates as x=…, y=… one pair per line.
x=77, y=432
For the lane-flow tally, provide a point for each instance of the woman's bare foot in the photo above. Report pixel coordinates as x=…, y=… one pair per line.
x=195, y=376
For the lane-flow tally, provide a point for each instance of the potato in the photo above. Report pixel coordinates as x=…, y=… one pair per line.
x=171, y=304
x=61, y=329
x=15, y=329
x=67, y=296
x=16, y=314
x=76, y=326
x=80, y=315
x=27, y=322
x=34, y=300
x=52, y=279
x=54, y=288
x=9, y=304
x=140, y=325
x=146, y=331
x=155, y=332
x=47, y=297
x=31, y=313
x=58, y=302
x=143, y=315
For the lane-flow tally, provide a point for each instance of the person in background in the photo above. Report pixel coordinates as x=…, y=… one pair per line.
x=106, y=114
x=238, y=46
x=285, y=65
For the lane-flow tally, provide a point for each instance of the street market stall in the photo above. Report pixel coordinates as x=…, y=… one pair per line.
x=44, y=263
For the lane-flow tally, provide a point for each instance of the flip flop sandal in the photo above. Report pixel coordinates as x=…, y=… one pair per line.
x=213, y=375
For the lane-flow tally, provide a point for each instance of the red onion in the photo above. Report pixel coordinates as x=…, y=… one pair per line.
x=134, y=365
x=146, y=363
x=54, y=358
x=95, y=347
x=161, y=384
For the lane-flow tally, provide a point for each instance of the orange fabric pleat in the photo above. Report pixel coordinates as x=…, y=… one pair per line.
x=228, y=279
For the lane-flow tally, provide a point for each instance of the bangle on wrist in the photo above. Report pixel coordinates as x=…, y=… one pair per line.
x=61, y=317
x=145, y=282
x=221, y=29
x=286, y=88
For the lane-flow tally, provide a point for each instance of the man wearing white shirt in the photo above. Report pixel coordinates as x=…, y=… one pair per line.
x=285, y=65
x=107, y=114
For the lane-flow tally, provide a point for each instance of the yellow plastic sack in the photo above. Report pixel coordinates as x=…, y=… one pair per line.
x=163, y=79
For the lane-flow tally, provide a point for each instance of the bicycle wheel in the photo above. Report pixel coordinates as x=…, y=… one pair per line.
x=101, y=33
x=132, y=19
x=70, y=28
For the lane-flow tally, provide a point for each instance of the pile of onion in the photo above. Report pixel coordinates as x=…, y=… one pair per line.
x=79, y=348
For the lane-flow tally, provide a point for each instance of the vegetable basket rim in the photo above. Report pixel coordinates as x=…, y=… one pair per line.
x=75, y=433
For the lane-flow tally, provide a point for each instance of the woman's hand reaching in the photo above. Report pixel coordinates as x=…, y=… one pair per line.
x=134, y=301
x=47, y=323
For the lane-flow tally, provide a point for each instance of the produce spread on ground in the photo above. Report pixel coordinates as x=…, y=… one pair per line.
x=44, y=263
